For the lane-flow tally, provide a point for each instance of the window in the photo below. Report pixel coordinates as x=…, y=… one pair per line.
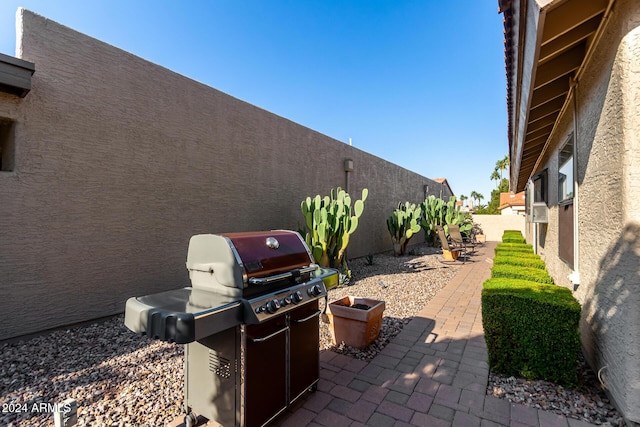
x=565, y=203
x=6, y=145
x=540, y=187
x=537, y=210
x=565, y=172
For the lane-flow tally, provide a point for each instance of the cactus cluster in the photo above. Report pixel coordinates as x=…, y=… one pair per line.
x=437, y=212
x=330, y=221
x=402, y=225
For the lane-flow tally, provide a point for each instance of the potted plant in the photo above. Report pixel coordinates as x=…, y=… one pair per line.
x=478, y=234
x=355, y=321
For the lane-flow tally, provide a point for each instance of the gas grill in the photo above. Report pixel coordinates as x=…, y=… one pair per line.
x=249, y=322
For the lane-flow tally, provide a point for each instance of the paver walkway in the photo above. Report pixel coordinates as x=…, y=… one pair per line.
x=434, y=373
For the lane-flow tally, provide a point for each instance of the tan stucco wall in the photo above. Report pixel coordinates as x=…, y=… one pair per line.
x=119, y=161
x=493, y=226
x=607, y=207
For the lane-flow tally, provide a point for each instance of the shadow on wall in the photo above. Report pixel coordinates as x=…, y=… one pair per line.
x=610, y=324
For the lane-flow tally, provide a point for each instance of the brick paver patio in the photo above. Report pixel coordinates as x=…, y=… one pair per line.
x=434, y=373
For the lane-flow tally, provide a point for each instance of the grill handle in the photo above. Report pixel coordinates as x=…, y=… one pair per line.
x=316, y=314
x=286, y=328
x=293, y=273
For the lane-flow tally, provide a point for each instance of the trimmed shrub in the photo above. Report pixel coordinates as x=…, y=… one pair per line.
x=525, y=273
x=514, y=245
x=531, y=329
x=520, y=253
x=519, y=259
x=513, y=236
x=514, y=239
x=515, y=252
x=519, y=247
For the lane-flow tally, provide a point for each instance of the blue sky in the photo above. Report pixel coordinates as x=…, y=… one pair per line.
x=418, y=83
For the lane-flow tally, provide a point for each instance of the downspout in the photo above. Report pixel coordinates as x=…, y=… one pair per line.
x=575, y=275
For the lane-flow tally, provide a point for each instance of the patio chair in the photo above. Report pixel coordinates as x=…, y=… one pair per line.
x=451, y=247
x=458, y=239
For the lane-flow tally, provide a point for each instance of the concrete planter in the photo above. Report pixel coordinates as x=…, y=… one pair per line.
x=356, y=327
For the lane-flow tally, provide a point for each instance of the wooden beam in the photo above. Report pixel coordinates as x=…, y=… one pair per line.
x=546, y=109
x=539, y=124
x=560, y=66
x=546, y=130
x=568, y=40
x=548, y=92
x=535, y=141
x=568, y=15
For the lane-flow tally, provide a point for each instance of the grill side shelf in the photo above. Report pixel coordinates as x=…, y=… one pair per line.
x=181, y=316
x=172, y=327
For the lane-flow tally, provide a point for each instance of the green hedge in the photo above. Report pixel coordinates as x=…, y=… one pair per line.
x=520, y=253
x=519, y=259
x=531, y=329
x=515, y=246
x=525, y=273
x=513, y=236
x=514, y=240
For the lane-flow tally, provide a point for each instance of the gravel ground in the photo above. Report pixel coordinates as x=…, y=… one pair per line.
x=406, y=284
x=586, y=402
x=122, y=379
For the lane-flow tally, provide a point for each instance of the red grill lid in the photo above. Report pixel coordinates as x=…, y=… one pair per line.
x=265, y=253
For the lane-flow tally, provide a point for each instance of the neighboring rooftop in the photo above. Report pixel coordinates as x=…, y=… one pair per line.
x=511, y=200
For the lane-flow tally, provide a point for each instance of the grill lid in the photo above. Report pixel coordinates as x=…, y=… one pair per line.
x=267, y=253
x=230, y=262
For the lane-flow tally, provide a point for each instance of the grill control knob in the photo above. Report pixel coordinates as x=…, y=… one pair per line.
x=296, y=297
x=315, y=290
x=273, y=306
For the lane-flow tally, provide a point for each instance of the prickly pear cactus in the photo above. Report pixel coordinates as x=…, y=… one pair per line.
x=330, y=221
x=433, y=215
x=437, y=212
x=403, y=224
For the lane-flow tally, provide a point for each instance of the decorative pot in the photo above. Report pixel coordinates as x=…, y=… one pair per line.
x=355, y=321
x=481, y=238
x=450, y=256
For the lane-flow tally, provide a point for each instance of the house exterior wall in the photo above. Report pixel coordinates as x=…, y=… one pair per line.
x=120, y=161
x=607, y=208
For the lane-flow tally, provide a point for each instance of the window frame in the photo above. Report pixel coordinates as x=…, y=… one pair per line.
x=566, y=207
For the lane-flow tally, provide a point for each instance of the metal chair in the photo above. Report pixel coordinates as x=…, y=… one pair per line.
x=459, y=240
x=450, y=246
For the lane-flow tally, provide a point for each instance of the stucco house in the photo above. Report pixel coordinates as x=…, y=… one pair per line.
x=512, y=203
x=573, y=96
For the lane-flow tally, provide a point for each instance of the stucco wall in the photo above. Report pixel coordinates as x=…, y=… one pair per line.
x=607, y=207
x=493, y=226
x=119, y=161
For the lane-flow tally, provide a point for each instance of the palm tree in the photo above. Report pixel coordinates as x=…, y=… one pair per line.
x=502, y=165
x=463, y=198
x=476, y=196
x=495, y=177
